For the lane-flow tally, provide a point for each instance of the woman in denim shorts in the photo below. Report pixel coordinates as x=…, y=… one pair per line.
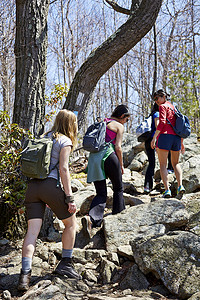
x=167, y=140
x=42, y=192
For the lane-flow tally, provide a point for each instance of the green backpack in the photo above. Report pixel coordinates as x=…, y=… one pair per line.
x=36, y=156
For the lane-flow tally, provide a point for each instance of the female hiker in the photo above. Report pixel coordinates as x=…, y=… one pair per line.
x=148, y=182
x=167, y=140
x=107, y=163
x=46, y=191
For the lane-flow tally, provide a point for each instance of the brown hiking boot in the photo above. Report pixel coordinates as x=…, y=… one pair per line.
x=24, y=280
x=65, y=267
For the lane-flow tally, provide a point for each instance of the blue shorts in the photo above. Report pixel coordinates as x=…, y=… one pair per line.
x=169, y=142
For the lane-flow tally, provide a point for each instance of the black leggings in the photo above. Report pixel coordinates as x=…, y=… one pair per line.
x=150, y=169
x=113, y=172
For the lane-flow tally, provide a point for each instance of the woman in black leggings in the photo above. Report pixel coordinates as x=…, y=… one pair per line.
x=113, y=172
x=148, y=182
x=112, y=168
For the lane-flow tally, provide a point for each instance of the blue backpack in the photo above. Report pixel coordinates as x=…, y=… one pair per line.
x=182, y=126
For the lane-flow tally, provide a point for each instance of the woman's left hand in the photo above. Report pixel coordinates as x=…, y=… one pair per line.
x=153, y=143
x=122, y=170
x=182, y=148
x=72, y=207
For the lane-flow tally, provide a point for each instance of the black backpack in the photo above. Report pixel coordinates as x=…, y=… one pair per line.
x=94, y=138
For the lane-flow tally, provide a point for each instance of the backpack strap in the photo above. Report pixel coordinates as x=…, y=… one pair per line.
x=56, y=166
x=174, y=110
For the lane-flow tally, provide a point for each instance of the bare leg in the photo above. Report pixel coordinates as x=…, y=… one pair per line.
x=28, y=250
x=65, y=266
x=34, y=226
x=69, y=233
x=177, y=169
x=162, y=156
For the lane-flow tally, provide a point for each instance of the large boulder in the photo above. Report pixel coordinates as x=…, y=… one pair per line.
x=143, y=221
x=174, y=258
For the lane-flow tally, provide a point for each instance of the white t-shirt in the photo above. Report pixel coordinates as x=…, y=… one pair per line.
x=62, y=142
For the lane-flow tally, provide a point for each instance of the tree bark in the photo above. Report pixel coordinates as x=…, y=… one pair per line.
x=5, y=81
x=30, y=52
x=155, y=72
x=107, y=54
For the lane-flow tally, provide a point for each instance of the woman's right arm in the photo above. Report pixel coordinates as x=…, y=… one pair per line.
x=156, y=121
x=65, y=176
x=153, y=141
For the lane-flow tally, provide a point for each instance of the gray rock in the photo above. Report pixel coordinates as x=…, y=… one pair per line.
x=43, y=252
x=196, y=296
x=134, y=279
x=58, y=225
x=136, y=200
x=107, y=270
x=138, y=162
x=143, y=221
x=76, y=185
x=113, y=257
x=174, y=258
x=90, y=276
x=126, y=251
x=191, y=173
x=81, y=286
x=95, y=254
x=4, y=242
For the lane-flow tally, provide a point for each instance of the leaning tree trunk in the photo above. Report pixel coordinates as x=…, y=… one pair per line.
x=106, y=55
x=30, y=52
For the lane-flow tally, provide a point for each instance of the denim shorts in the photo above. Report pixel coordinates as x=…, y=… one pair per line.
x=42, y=192
x=169, y=142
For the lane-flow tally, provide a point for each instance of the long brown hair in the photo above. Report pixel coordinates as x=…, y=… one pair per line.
x=66, y=123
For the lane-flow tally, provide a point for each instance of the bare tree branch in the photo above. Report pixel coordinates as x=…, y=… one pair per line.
x=118, y=8
x=108, y=53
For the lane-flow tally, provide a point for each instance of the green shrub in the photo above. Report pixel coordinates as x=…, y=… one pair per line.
x=12, y=184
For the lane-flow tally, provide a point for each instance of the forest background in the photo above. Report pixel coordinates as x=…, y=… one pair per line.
x=166, y=57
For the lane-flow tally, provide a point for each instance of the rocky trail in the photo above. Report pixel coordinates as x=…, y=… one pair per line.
x=151, y=250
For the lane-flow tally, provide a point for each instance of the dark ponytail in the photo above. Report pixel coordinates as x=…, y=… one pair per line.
x=161, y=93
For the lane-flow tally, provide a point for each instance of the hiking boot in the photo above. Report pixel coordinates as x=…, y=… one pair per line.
x=180, y=192
x=24, y=280
x=87, y=226
x=65, y=267
x=167, y=194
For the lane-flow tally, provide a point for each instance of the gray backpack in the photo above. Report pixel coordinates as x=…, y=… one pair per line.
x=144, y=130
x=94, y=138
